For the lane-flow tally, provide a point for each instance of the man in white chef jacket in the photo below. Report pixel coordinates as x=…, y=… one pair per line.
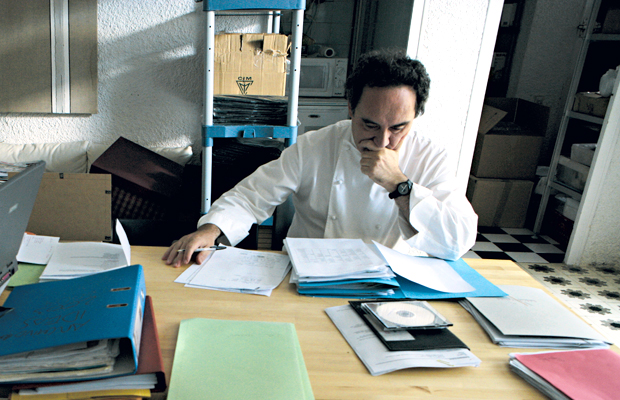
x=372, y=177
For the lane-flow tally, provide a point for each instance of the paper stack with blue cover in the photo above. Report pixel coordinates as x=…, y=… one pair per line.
x=344, y=267
x=88, y=330
x=353, y=269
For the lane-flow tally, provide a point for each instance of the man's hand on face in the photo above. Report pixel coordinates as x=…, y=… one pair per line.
x=381, y=164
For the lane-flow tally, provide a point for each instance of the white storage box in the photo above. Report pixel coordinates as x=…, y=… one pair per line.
x=583, y=153
x=572, y=174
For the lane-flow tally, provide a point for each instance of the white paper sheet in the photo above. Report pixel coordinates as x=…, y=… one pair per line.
x=36, y=249
x=71, y=260
x=238, y=270
x=379, y=360
x=433, y=273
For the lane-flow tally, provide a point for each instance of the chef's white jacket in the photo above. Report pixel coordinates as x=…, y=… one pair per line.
x=334, y=199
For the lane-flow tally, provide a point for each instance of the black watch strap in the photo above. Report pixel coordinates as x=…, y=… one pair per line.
x=402, y=189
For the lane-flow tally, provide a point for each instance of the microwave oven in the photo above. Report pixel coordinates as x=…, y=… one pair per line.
x=322, y=77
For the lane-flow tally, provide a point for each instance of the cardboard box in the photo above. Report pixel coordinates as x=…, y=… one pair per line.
x=250, y=64
x=145, y=185
x=591, y=103
x=73, y=207
x=510, y=136
x=500, y=202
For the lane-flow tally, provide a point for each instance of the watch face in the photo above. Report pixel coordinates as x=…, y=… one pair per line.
x=403, y=188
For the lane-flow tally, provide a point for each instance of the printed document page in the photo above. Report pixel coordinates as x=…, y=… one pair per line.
x=36, y=249
x=332, y=257
x=238, y=270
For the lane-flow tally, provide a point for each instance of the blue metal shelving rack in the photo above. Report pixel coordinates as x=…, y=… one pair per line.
x=210, y=131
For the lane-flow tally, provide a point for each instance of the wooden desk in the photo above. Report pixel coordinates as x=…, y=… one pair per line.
x=334, y=369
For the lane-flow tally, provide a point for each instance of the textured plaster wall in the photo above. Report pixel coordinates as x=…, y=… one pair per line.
x=150, y=69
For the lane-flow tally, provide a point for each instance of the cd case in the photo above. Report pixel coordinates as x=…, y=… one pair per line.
x=404, y=315
x=411, y=339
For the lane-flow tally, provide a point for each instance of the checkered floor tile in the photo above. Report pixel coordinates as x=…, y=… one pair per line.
x=519, y=245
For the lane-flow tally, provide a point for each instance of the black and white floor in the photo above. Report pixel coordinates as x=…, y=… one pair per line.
x=592, y=292
x=519, y=245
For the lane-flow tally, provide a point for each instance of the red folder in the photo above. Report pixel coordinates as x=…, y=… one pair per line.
x=579, y=374
x=150, y=360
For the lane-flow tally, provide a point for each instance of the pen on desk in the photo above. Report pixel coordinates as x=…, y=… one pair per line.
x=212, y=248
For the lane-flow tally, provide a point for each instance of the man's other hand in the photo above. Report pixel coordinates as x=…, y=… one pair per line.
x=181, y=251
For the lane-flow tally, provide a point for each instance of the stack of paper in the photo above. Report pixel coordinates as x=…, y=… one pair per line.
x=529, y=318
x=230, y=360
x=113, y=394
x=84, y=328
x=352, y=268
x=237, y=270
x=150, y=376
x=379, y=360
x=72, y=260
x=339, y=267
x=576, y=374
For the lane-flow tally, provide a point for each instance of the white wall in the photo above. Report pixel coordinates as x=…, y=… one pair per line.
x=150, y=78
x=151, y=69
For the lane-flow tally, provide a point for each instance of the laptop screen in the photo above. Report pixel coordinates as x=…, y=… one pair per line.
x=17, y=197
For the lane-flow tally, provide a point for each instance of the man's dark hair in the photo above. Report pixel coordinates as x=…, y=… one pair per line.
x=388, y=68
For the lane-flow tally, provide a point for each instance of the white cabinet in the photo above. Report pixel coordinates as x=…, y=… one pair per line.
x=314, y=114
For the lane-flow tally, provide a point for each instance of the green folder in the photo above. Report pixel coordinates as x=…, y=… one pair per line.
x=26, y=274
x=218, y=359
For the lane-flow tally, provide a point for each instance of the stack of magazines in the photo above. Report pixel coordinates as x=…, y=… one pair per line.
x=250, y=110
x=339, y=267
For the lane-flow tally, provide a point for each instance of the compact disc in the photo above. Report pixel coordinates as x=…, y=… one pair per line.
x=404, y=314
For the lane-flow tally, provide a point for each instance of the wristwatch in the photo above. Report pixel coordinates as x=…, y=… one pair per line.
x=402, y=189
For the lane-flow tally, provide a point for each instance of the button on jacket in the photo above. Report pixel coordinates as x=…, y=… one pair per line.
x=334, y=199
